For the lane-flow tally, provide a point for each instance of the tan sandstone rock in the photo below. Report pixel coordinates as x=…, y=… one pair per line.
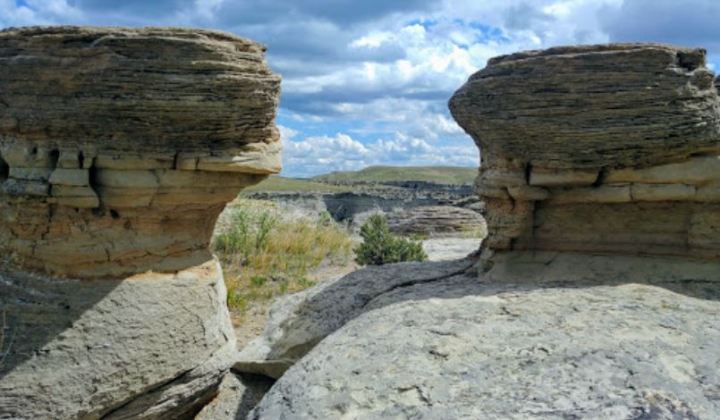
x=118, y=150
x=606, y=148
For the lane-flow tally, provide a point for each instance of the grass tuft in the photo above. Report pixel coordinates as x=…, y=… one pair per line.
x=266, y=254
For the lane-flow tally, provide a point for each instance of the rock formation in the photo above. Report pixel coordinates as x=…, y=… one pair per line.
x=597, y=295
x=118, y=150
x=611, y=148
x=436, y=220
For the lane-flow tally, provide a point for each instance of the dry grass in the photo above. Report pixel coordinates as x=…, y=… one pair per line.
x=266, y=253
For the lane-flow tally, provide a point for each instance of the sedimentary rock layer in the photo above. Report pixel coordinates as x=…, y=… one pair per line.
x=118, y=150
x=614, y=105
x=436, y=220
x=610, y=148
x=141, y=90
x=119, y=147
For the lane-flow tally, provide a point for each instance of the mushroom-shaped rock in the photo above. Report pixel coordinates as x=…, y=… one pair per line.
x=118, y=150
x=603, y=148
x=122, y=146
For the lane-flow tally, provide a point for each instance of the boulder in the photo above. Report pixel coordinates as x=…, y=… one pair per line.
x=538, y=336
x=118, y=150
x=606, y=148
x=172, y=120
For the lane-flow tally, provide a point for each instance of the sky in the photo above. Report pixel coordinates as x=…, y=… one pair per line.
x=367, y=82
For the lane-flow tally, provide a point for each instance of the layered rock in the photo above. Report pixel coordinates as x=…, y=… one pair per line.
x=118, y=150
x=129, y=142
x=436, y=220
x=610, y=148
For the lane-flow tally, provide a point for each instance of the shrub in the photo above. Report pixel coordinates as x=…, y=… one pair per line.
x=379, y=246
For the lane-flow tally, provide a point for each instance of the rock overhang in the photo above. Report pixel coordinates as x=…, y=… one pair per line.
x=119, y=147
x=604, y=148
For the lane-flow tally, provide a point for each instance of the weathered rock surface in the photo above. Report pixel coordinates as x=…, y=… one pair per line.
x=89, y=348
x=608, y=148
x=299, y=321
x=130, y=141
x=595, y=106
x=237, y=396
x=118, y=150
x=539, y=335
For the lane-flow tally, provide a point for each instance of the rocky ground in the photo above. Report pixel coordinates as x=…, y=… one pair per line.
x=627, y=338
x=438, y=249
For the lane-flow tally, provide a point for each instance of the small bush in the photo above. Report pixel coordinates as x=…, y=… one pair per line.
x=382, y=247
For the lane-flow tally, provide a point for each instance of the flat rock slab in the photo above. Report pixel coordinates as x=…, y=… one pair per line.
x=608, y=343
x=444, y=249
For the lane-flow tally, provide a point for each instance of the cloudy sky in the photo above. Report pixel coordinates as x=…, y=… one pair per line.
x=367, y=82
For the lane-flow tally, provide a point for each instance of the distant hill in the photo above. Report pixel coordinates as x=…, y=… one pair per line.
x=283, y=184
x=341, y=181
x=437, y=174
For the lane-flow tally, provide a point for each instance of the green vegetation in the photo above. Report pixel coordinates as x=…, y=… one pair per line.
x=340, y=181
x=282, y=184
x=381, y=247
x=265, y=254
x=379, y=174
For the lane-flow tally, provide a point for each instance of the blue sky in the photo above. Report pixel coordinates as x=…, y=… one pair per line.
x=367, y=82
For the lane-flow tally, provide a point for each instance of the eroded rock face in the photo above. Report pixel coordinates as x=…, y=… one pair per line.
x=119, y=147
x=118, y=150
x=609, y=148
x=151, y=345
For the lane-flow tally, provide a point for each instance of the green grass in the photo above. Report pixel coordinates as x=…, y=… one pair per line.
x=266, y=254
x=282, y=184
x=328, y=183
x=436, y=174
